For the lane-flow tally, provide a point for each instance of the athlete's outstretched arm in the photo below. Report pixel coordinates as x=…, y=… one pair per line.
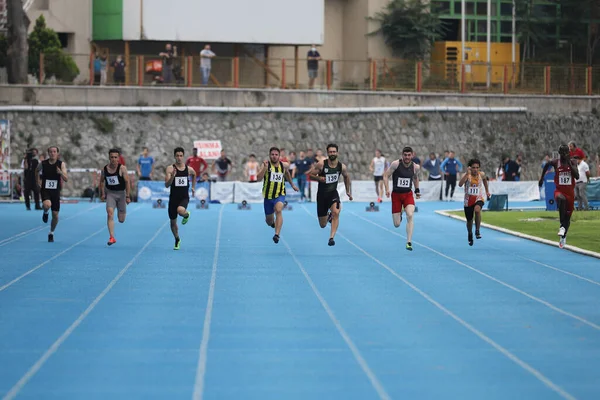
x=127, y=183
x=416, y=181
x=169, y=176
x=62, y=171
x=288, y=176
x=347, y=181
x=38, y=176
x=464, y=177
x=192, y=173
x=314, y=172
x=574, y=169
x=485, y=185
x=386, y=176
x=545, y=169
x=263, y=169
x=101, y=185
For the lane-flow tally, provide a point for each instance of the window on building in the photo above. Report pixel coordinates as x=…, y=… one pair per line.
x=67, y=40
x=506, y=9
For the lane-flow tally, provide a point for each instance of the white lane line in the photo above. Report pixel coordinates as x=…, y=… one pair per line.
x=14, y=391
x=24, y=234
x=357, y=355
x=203, y=356
x=511, y=287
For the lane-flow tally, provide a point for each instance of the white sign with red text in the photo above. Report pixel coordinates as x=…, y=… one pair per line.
x=208, y=149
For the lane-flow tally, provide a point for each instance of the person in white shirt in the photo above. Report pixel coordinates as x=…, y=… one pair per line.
x=378, y=168
x=206, y=56
x=581, y=184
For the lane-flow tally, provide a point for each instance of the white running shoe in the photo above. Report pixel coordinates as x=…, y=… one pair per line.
x=563, y=242
x=561, y=231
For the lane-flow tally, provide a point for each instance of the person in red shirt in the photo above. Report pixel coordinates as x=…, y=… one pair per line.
x=197, y=163
x=575, y=151
x=566, y=174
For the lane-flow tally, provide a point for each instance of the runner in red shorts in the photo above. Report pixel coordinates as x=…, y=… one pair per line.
x=564, y=178
x=404, y=175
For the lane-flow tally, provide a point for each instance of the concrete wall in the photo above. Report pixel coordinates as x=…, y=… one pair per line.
x=84, y=138
x=134, y=96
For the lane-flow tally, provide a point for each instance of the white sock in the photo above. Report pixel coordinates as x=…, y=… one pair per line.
x=46, y=211
x=52, y=232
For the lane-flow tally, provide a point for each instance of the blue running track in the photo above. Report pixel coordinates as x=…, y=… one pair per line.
x=234, y=316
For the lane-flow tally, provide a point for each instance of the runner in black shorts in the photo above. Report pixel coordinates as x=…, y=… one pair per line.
x=327, y=173
x=177, y=178
x=50, y=175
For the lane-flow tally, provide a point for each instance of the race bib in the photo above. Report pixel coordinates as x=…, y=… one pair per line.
x=403, y=182
x=181, y=181
x=51, y=184
x=473, y=191
x=112, y=180
x=276, y=177
x=564, y=179
x=331, y=178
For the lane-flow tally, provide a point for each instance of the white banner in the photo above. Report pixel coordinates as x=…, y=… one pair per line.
x=222, y=192
x=251, y=192
x=364, y=191
x=208, y=149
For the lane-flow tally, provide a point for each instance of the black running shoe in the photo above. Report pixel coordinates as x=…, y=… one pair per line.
x=276, y=239
x=50, y=237
x=477, y=235
x=329, y=218
x=273, y=225
x=45, y=217
x=331, y=242
x=177, y=241
x=470, y=239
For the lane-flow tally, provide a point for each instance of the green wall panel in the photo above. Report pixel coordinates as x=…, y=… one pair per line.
x=107, y=20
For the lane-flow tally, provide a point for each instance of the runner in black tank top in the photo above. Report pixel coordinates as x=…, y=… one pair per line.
x=327, y=173
x=177, y=178
x=114, y=187
x=50, y=175
x=404, y=176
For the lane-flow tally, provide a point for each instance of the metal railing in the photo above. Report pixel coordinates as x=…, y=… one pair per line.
x=373, y=75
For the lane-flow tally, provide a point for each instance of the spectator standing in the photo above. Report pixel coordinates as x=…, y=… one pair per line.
x=145, y=166
x=168, y=57
x=119, y=71
x=511, y=169
x=451, y=167
x=575, y=151
x=434, y=167
x=30, y=164
x=197, y=163
x=303, y=165
x=206, y=56
x=97, y=70
x=103, y=69
x=222, y=166
x=581, y=184
x=313, y=57
x=251, y=169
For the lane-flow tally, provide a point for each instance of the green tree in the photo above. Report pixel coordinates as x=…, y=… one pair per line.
x=44, y=40
x=579, y=27
x=409, y=28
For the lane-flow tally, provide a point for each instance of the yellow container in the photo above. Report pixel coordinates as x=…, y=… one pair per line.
x=446, y=56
